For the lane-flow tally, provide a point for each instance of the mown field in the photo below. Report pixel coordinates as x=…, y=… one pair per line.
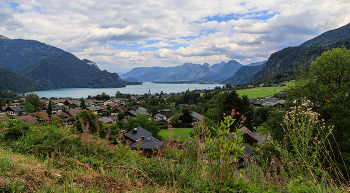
x=180, y=133
x=263, y=91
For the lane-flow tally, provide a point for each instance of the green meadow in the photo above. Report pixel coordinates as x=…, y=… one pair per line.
x=263, y=91
x=180, y=133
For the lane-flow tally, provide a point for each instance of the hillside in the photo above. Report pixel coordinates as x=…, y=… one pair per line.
x=330, y=37
x=67, y=71
x=17, y=83
x=243, y=75
x=16, y=54
x=287, y=60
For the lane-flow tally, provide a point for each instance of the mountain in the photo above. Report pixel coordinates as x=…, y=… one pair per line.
x=226, y=71
x=67, y=71
x=257, y=63
x=217, y=66
x=52, y=67
x=3, y=37
x=149, y=73
x=243, y=74
x=330, y=37
x=187, y=74
x=16, y=54
x=288, y=60
x=17, y=83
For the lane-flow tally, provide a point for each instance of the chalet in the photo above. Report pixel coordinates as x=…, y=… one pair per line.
x=138, y=112
x=41, y=116
x=165, y=112
x=143, y=140
x=106, y=119
x=55, y=109
x=196, y=117
x=27, y=119
x=159, y=117
x=96, y=109
x=14, y=110
x=73, y=112
x=279, y=95
x=116, y=110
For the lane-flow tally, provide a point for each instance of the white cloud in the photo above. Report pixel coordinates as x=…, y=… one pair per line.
x=180, y=30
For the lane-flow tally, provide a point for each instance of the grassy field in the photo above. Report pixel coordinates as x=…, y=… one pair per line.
x=183, y=133
x=263, y=91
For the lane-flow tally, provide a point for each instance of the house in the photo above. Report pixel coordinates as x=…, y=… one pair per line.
x=143, y=140
x=196, y=117
x=96, y=109
x=41, y=116
x=73, y=112
x=14, y=110
x=55, y=109
x=116, y=110
x=27, y=119
x=4, y=117
x=254, y=137
x=159, y=117
x=166, y=112
x=138, y=112
x=106, y=119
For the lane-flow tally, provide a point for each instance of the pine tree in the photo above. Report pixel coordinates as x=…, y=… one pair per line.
x=82, y=104
x=49, y=109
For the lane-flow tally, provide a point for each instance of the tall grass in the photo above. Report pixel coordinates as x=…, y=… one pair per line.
x=59, y=159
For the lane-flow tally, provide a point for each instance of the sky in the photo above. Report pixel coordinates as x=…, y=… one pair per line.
x=123, y=34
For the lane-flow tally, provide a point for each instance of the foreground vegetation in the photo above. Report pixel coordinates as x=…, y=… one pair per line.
x=54, y=158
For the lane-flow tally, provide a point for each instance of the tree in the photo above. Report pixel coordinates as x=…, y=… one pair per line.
x=186, y=117
x=228, y=100
x=34, y=100
x=87, y=116
x=49, y=109
x=326, y=85
x=82, y=104
x=29, y=108
x=121, y=115
x=154, y=110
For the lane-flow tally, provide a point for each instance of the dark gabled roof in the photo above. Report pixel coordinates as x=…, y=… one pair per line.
x=159, y=115
x=149, y=143
x=15, y=108
x=105, y=119
x=166, y=110
x=134, y=135
x=54, y=107
x=196, y=115
x=95, y=108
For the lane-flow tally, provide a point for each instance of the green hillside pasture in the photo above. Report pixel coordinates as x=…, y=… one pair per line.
x=263, y=91
x=182, y=133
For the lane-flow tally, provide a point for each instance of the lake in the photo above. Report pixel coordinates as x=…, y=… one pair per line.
x=129, y=89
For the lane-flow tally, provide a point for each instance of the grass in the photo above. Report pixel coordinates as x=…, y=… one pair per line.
x=263, y=91
x=183, y=133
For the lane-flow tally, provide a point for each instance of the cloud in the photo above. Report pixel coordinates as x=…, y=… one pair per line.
x=120, y=35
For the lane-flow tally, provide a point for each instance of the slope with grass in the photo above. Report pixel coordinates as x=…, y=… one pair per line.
x=179, y=134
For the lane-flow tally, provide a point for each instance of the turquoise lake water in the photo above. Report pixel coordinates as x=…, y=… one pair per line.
x=129, y=89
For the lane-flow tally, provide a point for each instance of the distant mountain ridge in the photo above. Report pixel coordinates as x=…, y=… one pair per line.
x=48, y=67
x=330, y=37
